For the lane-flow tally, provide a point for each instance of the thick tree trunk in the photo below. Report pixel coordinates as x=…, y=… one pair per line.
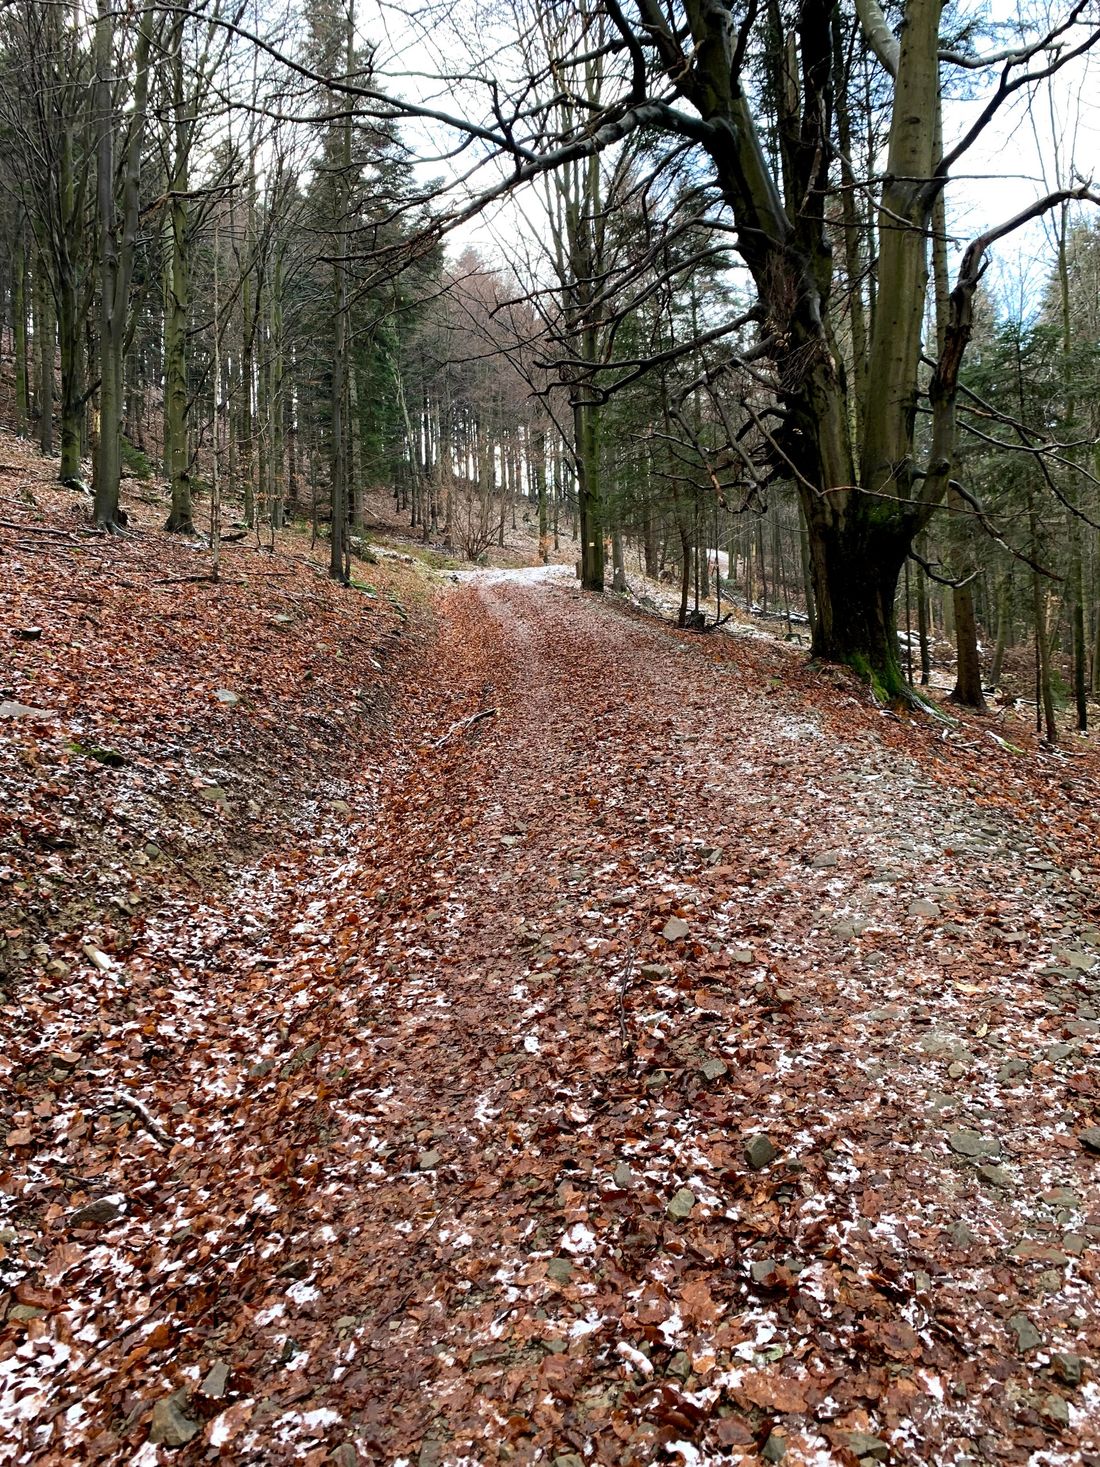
x=855, y=568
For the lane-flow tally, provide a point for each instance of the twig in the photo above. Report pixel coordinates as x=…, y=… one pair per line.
x=625, y=1046
x=182, y=580
x=44, y=530
x=131, y=1102
x=464, y=724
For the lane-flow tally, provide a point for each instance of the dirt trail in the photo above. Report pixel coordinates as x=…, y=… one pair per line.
x=486, y=1196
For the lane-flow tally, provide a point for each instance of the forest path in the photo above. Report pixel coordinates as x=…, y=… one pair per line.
x=484, y=1192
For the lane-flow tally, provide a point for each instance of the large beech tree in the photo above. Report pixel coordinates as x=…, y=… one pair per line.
x=867, y=480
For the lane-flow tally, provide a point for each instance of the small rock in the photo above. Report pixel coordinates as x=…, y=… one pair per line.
x=681, y=1205
x=1056, y=1409
x=624, y=1177
x=213, y=794
x=762, y=1269
x=1075, y=1244
x=655, y=970
x=959, y=1234
x=923, y=908
x=1027, y=1336
x=97, y=959
x=568, y=1459
x=22, y=710
x=21, y=1313
x=680, y=1365
x=865, y=1445
x=825, y=861
x=344, y=1455
x=742, y=955
x=775, y=1448
x=675, y=929
x=971, y=1144
x=103, y=1210
x=171, y=1428
x=560, y=1270
x=427, y=1161
x=1011, y=1070
x=1090, y=1139
x=994, y=1176
x=1067, y=1367
x=216, y=1380
x=955, y=1070
x=760, y=1150
x=714, y=1069
x=1059, y=1051
x=227, y=696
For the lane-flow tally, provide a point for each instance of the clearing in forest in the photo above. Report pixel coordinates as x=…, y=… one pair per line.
x=639, y=1058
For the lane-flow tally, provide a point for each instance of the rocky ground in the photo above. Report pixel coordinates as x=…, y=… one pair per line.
x=638, y=1048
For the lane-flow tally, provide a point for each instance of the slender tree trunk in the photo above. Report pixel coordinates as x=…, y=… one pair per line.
x=19, y=327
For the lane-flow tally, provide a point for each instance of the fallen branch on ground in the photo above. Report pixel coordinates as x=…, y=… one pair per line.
x=464, y=724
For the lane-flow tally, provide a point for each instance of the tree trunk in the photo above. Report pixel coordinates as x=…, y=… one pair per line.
x=855, y=570
x=586, y=448
x=19, y=327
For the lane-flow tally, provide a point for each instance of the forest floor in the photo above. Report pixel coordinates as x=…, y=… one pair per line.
x=466, y=1023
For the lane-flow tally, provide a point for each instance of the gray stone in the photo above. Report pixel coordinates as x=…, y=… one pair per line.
x=1083, y=1028
x=1056, y=1409
x=742, y=955
x=714, y=1069
x=22, y=710
x=1060, y=1051
x=940, y=1044
x=775, y=1448
x=761, y=1269
x=994, y=1176
x=345, y=1455
x=865, y=1445
x=560, y=1270
x=568, y=1459
x=171, y=1428
x=681, y=1204
x=1090, y=1139
x=680, y=1365
x=96, y=1214
x=1067, y=1367
x=216, y=1380
x=1082, y=962
x=21, y=1313
x=972, y=1143
x=956, y=1069
x=655, y=970
x=675, y=929
x=1012, y=1069
x=227, y=696
x=1028, y=1337
x=1075, y=1244
x=213, y=794
x=760, y=1150
x=923, y=908
x=959, y=1234
x=427, y=1161
x=825, y=861
x=624, y=1177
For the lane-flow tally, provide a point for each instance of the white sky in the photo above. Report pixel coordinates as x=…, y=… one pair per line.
x=1029, y=148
